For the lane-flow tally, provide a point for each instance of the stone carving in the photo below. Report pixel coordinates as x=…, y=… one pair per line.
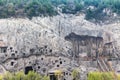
x=50, y=43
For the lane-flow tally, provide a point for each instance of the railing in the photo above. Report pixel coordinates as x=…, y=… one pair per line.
x=100, y=66
x=103, y=65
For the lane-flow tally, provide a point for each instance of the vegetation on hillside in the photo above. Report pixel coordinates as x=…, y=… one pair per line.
x=21, y=76
x=75, y=75
x=103, y=76
x=94, y=9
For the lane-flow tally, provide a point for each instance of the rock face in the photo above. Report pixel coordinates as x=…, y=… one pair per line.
x=85, y=43
x=32, y=41
x=24, y=34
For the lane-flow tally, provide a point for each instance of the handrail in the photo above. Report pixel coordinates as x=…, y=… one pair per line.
x=105, y=65
x=100, y=65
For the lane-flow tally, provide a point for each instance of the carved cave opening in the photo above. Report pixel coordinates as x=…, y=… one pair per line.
x=28, y=69
x=12, y=63
x=91, y=45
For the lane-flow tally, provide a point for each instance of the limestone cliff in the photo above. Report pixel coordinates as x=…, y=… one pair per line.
x=24, y=34
x=29, y=42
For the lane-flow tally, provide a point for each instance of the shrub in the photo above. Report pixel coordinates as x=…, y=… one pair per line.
x=58, y=74
x=118, y=77
x=8, y=76
x=94, y=76
x=45, y=78
x=21, y=76
x=33, y=76
x=75, y=74
x=103, y=76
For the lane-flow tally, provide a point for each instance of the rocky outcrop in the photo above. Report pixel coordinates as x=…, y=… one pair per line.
x=84, y=43
x=28, y=41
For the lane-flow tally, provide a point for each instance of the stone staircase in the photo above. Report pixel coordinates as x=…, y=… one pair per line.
x=103, y=65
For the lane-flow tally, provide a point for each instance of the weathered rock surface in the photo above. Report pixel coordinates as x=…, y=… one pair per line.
x=46, y=36
x=25, y=34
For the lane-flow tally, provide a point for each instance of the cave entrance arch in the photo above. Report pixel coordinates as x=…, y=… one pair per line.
x=27, y=69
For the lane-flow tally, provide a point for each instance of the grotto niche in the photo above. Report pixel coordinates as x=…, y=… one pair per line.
x=82, y=44
x=28, y=69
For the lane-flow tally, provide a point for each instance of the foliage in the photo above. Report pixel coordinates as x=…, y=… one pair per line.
x=46, y=78
x=75, y=74
x=35, y=76
x=96, y=14
x=99, y=6
x=118, y=77
x=21, y=76
x=103, y=76
x=39, y=8
x=30, y=8
x=58, y=74
x=1, y=78
x=94, y=76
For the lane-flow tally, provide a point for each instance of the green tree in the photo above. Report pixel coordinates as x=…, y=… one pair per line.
x=10, y=9
x=78, y=7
